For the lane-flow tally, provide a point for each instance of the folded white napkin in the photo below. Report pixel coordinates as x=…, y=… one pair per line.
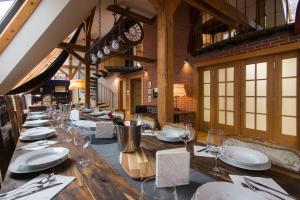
x=202, y=153
x=74, y=115
x=149, y=133
x=42, y=145
x=104, y=129
x=51, y=192
x=265, y=181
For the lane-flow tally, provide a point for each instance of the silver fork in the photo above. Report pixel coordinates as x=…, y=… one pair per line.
x=256, y=189
x=29, y=186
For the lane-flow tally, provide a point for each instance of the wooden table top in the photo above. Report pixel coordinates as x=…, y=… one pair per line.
x=100, y=180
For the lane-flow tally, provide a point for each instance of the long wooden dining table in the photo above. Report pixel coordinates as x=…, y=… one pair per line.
x=100, y=180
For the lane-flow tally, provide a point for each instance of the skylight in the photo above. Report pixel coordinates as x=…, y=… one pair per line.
x=5, y=5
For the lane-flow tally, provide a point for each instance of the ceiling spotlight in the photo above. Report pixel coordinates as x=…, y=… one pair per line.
x=106, y=50
x=99, y=54
x=115, y=45
x=94, y=58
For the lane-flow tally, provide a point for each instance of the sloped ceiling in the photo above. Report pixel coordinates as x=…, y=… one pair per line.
x=50, y=24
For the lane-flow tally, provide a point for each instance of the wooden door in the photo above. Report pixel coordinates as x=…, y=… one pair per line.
x=135, y=93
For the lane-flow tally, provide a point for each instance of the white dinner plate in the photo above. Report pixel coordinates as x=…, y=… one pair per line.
x=254, y=168
x=244, y=156
x=225, y=191
x=42, y=158
x=35, y=123
x=87, y=110
x=34, y=117
x=168, y=136
x=37, y=133
x=21, y=169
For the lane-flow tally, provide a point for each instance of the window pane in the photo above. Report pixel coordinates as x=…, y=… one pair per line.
x=250, y=104
x=206, y=89
x=221, y=89
x=289, y=126
x=221, y=103
x=221, y=75
x=206, y=102
x=261, y=105
x=221, y=117
x=261, y=122
x=261, y=70
x=289, y=67
x=206, y=115
x=206, y=77
x=229, y=90
x=229, y=104
x=289, y=106
x=250, y=88
x=261, y=88
x=229, y=118
x=289, y=87
x=230, y=74
x=250, y=121
x=250, y=72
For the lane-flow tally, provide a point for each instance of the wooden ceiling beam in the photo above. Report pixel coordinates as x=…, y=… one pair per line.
x=127, y=12
x=75, y=47
x=222, y=11
x=76, y=55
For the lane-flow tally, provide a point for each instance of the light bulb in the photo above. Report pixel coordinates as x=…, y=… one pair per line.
x=94, y=58
x=115, y=45
x=106, y=50
x=99, y=54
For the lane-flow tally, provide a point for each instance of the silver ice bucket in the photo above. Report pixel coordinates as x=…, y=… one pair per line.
x=129, y=136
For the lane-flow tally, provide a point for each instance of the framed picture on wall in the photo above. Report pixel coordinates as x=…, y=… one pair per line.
x=149, y=84
x=150, y=91
x=149, y=98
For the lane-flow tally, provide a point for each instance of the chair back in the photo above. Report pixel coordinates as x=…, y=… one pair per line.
x=6, y=140
x=13, y=118
x=19, y=111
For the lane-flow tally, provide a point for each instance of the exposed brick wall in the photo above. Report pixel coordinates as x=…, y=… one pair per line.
x=183, y=72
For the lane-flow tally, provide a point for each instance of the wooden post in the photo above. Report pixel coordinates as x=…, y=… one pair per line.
x=165, y=58
x=88, y=27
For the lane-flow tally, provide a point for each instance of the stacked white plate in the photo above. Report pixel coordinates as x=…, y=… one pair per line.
x=224, y=191
x=87, y=110
x=37, y=133
x=35, y=117
x=99, y=113
x=168, y=135
x=35, y=123
x=245, y=158
x=37, y=113
x=39, y=160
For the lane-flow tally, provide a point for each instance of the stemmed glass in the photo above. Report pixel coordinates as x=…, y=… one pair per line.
x=83, y=140
x=188, y=134
x=214, y=146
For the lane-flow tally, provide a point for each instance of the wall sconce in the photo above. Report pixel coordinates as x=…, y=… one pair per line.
x=186, y=60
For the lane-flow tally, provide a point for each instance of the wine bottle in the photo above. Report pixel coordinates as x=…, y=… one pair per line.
x=116, y=120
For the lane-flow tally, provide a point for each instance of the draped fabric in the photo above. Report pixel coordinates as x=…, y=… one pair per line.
x=194, y=14
x=297, y=19
x=48, y=73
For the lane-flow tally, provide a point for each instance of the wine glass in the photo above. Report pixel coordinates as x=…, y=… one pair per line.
x=83, y=140
x=188, y=134
x=214, y=146
x=150, y=191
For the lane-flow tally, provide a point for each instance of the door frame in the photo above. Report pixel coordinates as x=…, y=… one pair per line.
x=142, y=90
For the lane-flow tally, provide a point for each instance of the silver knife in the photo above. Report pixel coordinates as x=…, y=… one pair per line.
x=265, y=186
x=25, y=193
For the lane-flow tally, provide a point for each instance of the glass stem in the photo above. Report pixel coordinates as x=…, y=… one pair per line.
x=216, y=162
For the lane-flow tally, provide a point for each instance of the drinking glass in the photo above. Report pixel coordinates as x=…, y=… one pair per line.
x=188, y=134
x=149, y=191
x=214, y=146
x=83, y=140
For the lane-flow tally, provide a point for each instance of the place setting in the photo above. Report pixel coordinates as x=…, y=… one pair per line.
x=37, y=133
x=35, y=123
